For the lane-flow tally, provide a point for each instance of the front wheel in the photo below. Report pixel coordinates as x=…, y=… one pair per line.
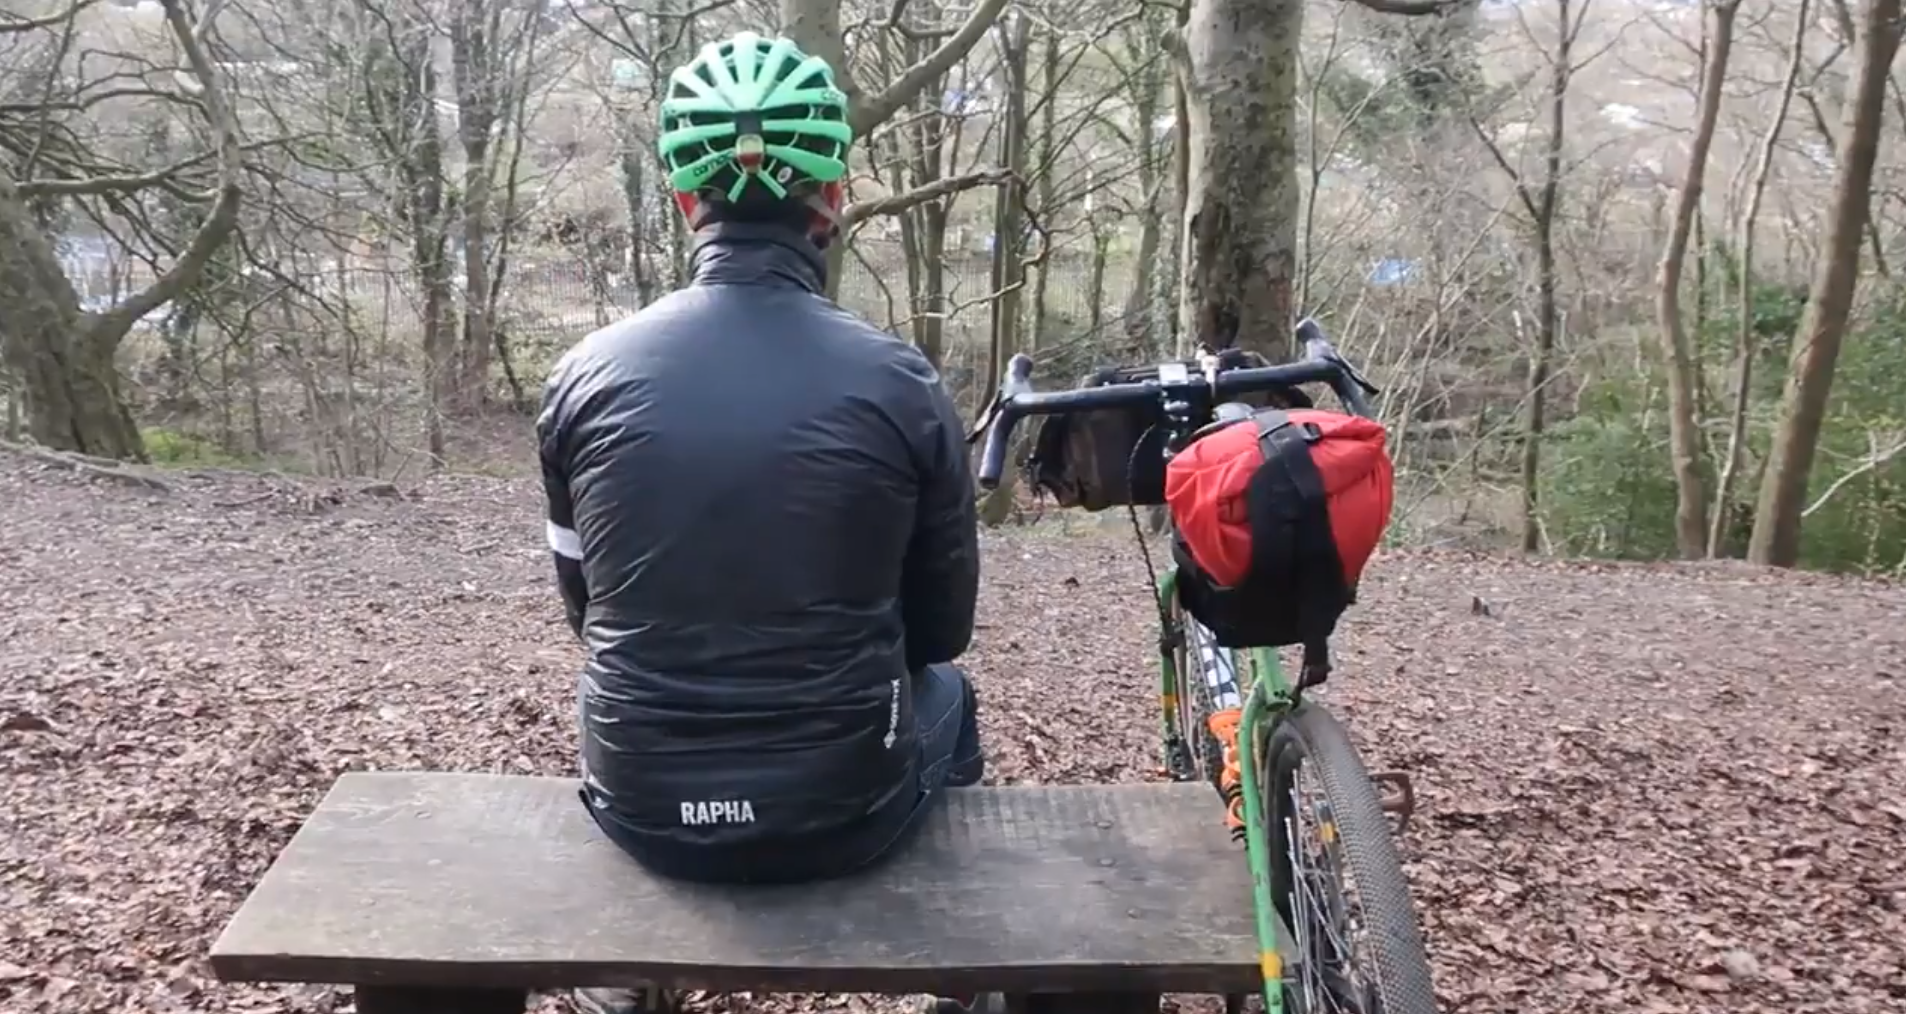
x=1336, y=878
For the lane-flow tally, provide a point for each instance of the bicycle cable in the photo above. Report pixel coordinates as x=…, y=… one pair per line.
x=1167, y=633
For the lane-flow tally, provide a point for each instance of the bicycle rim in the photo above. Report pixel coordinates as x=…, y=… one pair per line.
x=1336, y=878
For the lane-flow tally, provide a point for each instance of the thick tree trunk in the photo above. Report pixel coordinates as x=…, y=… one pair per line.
x=1783, y=490
x=64, y=356
x=1238, y=63
x=1170, y=284
x=65, y=365
x=434, y=274
x=403, y=86
x=1548, y=325
x=1684, y=434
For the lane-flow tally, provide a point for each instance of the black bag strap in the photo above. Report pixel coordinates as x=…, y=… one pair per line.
x=1287, y=482
x=1274, y=421
x=1290, y=532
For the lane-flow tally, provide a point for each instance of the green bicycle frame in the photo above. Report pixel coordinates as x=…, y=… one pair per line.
x=1267, y=699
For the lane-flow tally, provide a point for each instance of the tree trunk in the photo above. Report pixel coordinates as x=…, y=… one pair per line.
x=634, y=188
x=474, y=75
x=406, y=93
x=1548, y=311
x=65, y=367
x=64, y=356
x=1007, y=270
x=1684, y=434
x=1238, y=64
x=15, y=396
x=1147, y=91
x=433, y=271
x=1171, y=284
x=921, y=148
x=1006, y=275
x=1048, y=169
x=1783, y=491
x=1095, y=278
x=815, y=25
x=1744, y=336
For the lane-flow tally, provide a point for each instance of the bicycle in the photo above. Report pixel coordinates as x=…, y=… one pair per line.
x=1250, y=731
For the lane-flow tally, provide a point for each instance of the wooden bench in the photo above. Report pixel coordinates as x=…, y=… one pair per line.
x=440, y=892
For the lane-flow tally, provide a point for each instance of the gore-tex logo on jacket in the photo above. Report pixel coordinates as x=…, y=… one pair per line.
x=718, y=811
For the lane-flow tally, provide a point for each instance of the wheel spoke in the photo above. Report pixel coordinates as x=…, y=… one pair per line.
x=1335, y=875
x=1324, y=916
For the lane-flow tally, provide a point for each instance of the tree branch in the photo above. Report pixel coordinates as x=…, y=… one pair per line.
x=93, y=186
x=1502, y=161
x=86, y=464
x=874, y=110
x=1874, y=459
x=860, y=211
x=11, y=23
x=112, y=325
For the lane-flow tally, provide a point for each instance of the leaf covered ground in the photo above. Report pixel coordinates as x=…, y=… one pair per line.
x=1654, y=789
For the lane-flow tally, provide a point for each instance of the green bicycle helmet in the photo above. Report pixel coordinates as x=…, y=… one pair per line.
x=753, y=110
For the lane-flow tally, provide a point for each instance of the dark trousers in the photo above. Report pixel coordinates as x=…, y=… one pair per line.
x=946, y=713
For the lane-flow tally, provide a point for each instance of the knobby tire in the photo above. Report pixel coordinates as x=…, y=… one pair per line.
x=1392, y=941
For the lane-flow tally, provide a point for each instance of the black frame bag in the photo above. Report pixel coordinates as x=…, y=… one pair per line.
x=1116, y=457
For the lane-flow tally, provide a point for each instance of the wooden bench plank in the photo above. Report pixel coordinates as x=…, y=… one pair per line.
x=480, y=880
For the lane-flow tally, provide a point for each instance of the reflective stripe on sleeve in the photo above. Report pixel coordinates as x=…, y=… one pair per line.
x=563, y=542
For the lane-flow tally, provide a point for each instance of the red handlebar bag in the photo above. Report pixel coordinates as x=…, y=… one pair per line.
x=1276, y=517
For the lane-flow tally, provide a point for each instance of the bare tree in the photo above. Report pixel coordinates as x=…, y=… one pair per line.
x=816, y=26
x=492, y=54
x=1540, y=201
x=1690, y=516
x=1008, y=269
x=63, y=352
x=1237, y=64
x=1745, y=331
x=1783, y=491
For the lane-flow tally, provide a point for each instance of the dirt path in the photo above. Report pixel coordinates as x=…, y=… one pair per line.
x=1643, y=789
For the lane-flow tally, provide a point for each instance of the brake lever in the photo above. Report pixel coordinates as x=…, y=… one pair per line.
x=1018, y=380
x=1354, y=376
x=1309, y=332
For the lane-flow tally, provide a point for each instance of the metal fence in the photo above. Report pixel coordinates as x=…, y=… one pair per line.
x=551, y=300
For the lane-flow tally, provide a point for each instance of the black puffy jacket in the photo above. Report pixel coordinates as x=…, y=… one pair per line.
x=763, y=521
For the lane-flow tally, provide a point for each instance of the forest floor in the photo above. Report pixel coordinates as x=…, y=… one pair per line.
x=1642, y=789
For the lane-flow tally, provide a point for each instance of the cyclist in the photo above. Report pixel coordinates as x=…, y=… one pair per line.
x=762, y=521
